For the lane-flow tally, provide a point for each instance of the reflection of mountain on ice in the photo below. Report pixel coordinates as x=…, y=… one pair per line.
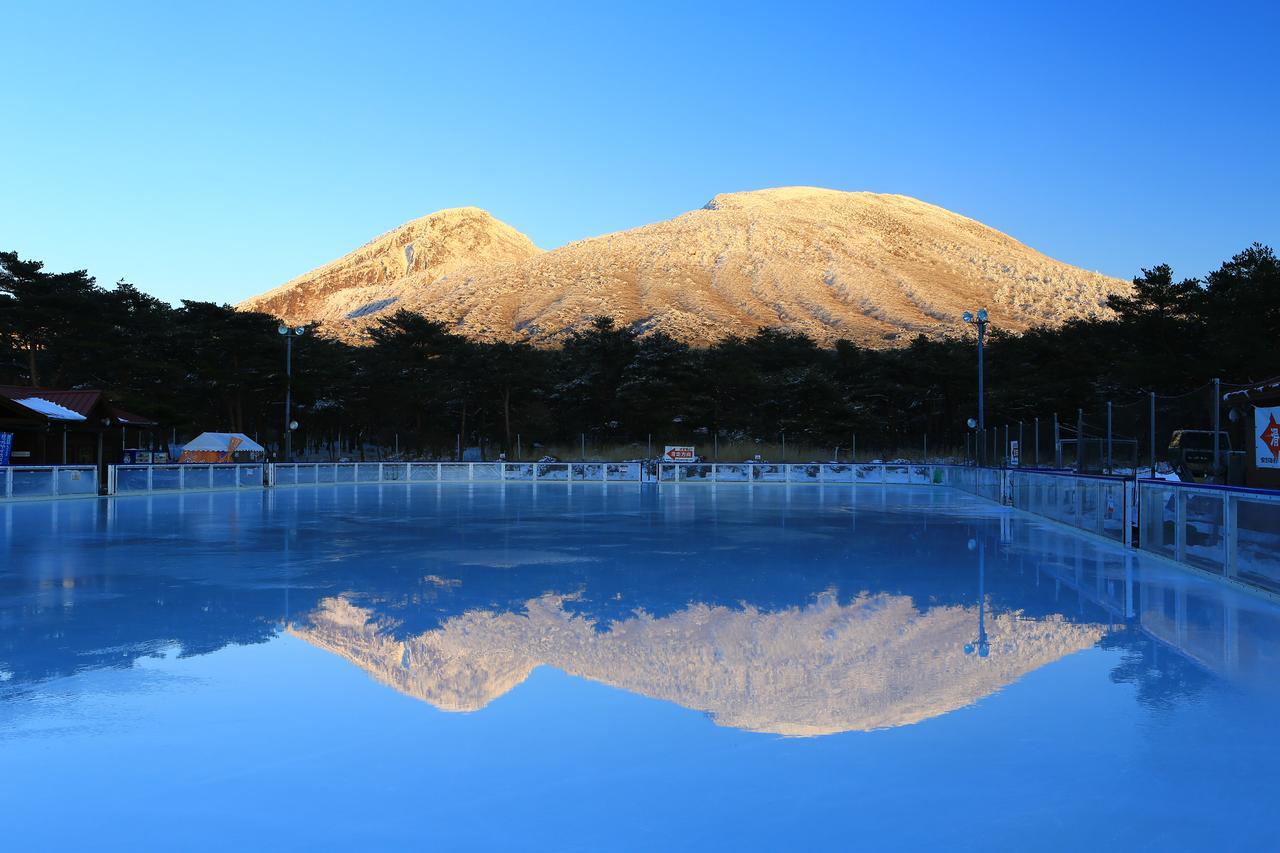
x=824, y=668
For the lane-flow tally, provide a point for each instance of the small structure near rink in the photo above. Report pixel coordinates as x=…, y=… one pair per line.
x=1254, y=414
x=222, y=448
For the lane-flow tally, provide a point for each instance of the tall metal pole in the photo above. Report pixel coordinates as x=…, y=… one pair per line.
x=1006, y=446
x=1079, y=441
x=288, y=397
x=1057, y=442
x=1022, y=447
x=1217, y=424
x=982, y=417
x=1153, y=433
x=1037, y=442
x=1111, y=462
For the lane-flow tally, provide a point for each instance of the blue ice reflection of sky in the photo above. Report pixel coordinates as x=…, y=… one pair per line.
x=729, y=668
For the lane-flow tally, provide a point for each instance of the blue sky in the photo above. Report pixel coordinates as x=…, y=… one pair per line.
x=213, y=154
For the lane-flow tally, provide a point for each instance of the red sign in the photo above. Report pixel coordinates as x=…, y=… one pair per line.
x=1269, y=438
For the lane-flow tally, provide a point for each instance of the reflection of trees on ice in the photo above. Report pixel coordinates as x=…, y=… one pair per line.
x=873, y=663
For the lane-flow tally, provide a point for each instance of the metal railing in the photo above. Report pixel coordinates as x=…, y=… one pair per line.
x=186, y=477
x=1233, y=532
x=320, y=473
x=32, y=482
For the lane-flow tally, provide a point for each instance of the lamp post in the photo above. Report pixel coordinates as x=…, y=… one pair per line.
x=979, y=320
x=981, y=645
x=289, y=424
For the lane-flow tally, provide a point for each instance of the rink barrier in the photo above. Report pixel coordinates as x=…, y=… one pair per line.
x=184, y=477
x=46, y=482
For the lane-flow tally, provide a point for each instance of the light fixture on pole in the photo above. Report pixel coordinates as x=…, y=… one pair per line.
x=289, y=423
x=979, y=320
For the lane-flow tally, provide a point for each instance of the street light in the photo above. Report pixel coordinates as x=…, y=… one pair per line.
x=289, y=423
x=981, y=322
x=982, y=644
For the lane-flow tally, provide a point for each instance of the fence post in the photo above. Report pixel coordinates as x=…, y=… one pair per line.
x=1057, y=443
x=149, y=470
x=1180, y=525
x=1022, y=445
x=1005, y=456
x=1110, y=458
x=1079, y=441
x=1037, y=442
x=1230, y=515
x=1217, y=424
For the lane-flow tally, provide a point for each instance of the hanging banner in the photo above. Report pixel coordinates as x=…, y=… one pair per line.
x=6, y=447
x=1266, y=422
x=1015, y=456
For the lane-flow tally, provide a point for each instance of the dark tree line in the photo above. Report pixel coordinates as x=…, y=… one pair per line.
x=200, y=366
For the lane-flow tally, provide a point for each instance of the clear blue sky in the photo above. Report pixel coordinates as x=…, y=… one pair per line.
x=213, y=154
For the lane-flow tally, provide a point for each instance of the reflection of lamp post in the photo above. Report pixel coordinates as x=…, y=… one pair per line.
x=289, y=424
x=981, y=646
x=980, y=320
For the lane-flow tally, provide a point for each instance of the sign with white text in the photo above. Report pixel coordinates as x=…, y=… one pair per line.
x=1266, y=428
x=678, y=453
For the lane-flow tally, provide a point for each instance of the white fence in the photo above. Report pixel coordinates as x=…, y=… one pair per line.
x=811, y=473
x=1228, y=531
x=314, y=473
x=1097, y=504
x=317, y=473
x=28, y=482
x=152, y=479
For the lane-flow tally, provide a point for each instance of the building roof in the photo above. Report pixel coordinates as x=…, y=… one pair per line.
x=76, y=402
x=50, y=409
x=223, y=442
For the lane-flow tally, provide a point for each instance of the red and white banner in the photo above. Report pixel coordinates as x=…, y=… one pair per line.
x=678, y=453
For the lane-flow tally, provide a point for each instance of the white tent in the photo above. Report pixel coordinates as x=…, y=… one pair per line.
x=223, y=442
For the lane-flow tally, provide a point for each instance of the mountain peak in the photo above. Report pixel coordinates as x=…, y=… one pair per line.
x=874, y=268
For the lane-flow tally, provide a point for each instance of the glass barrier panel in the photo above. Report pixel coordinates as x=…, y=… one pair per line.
x=345, y=473
x=1204, y=544
x=393, y=472
x=623, y=471
x=805, y=473
x=223, y=477
x=868, y=473
x=77, y=481
x=1159, y=510
x=166, y=478
x=732, y=473
x=768, y=473
x=37, y=482
x=696, y=473
x=556, y=471
x=1257, y=553
x=488, y=472
x=518, y=471
x=836, y=473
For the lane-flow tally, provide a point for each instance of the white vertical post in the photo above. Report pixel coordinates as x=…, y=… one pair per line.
x=149, y=471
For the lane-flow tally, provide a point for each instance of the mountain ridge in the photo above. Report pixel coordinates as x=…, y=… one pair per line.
x=874, y=268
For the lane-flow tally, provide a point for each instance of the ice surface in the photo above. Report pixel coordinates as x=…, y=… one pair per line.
x=465, y=666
